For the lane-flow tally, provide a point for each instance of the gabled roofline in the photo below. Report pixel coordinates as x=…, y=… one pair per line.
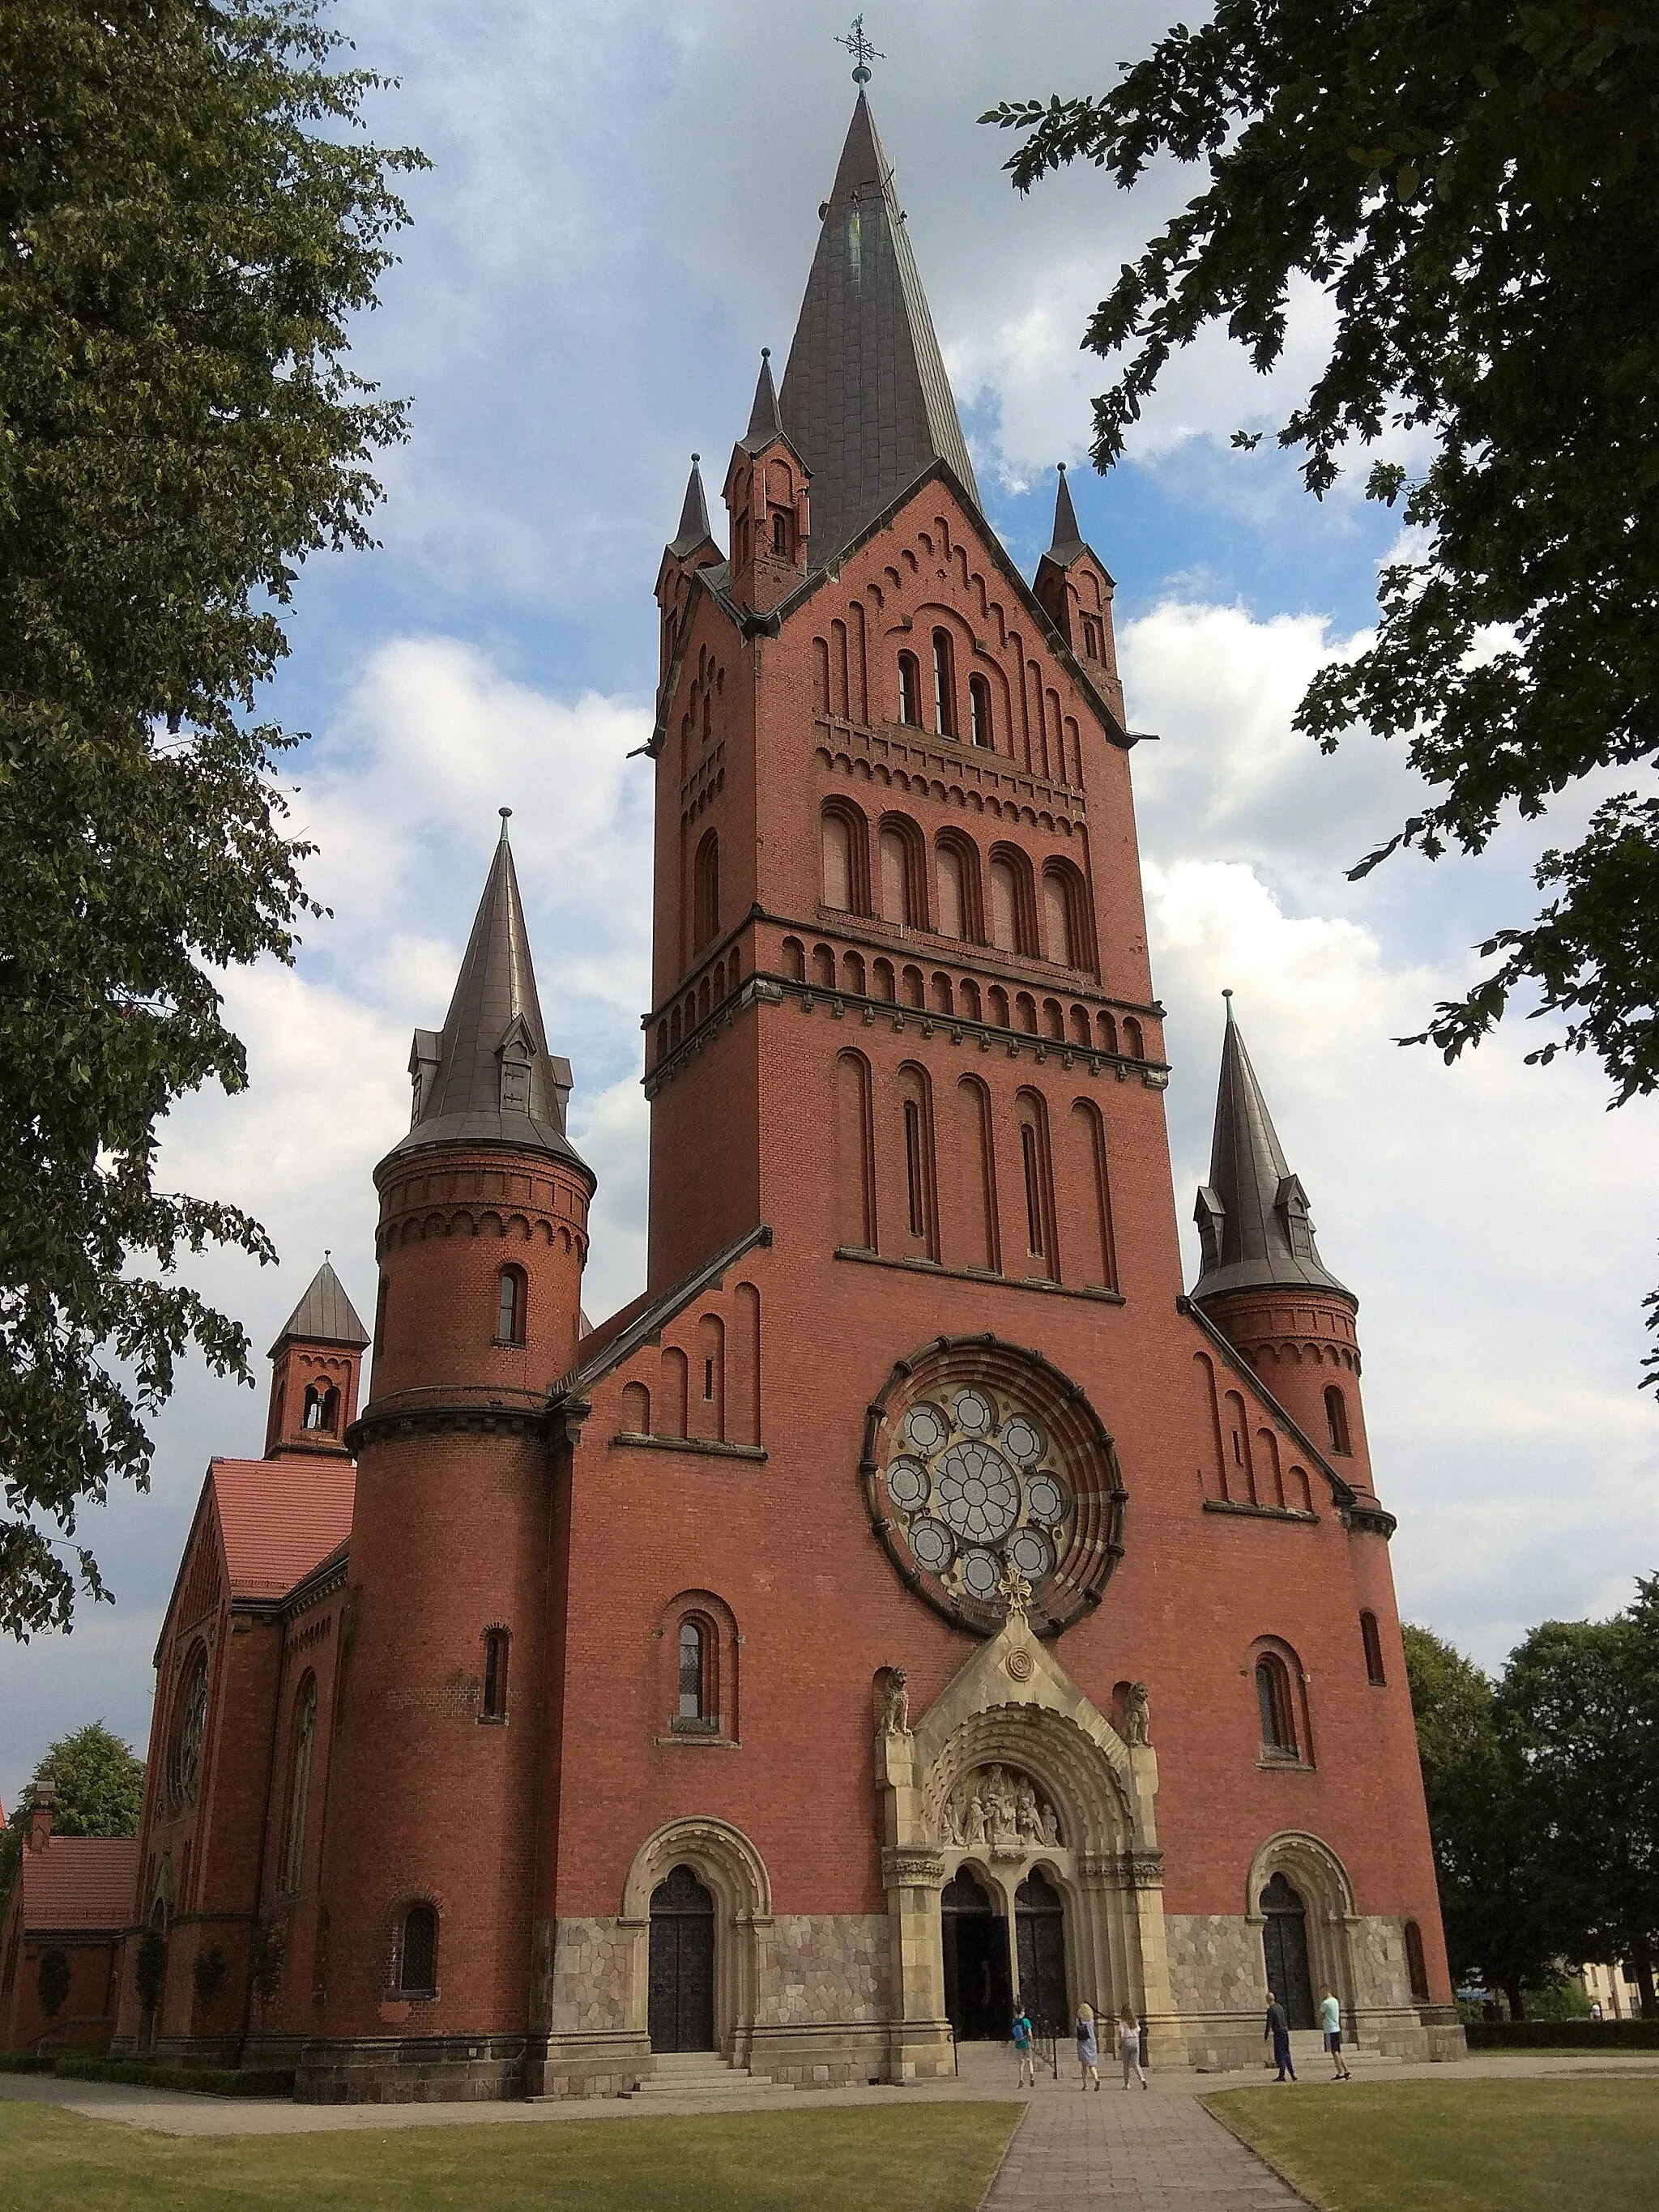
x=184, y=1556
x=769, y=625
x=697, y=584
x=653, y=1318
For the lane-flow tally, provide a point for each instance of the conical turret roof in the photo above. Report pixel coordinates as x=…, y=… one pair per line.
x=866, y=402
x=1253, y=1214
x=487, y=1078
x=323, y=1315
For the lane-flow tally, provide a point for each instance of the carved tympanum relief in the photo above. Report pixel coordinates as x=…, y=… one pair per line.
x=998, y=1808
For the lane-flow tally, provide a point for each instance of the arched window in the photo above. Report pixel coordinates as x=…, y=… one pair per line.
x=1373, y=1644
x=1134, y=1045
x=1417, y=1968
x=1272, y=1694
x=846, y=859
x=1064, y=925
x=896, y=900
x=909, y=690
x=780, y=534
x=1037, y=1169
x=706, y=894
x=299, y=1789
x=695, y=1706
x=1336, y=1420
x=945, y=687
x=636, y=1410
x=978, y=710
x=189, y=1727
x=951, y=901
x=418, y=1964
x=322, y=1407
x=1005, y=906
x=511, y=1301
x=493, y=1705
x=794, y=958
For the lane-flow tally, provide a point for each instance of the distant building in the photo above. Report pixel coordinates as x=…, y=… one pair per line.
x=1612, y=1988
x=73, y=1902
x=913, y=1598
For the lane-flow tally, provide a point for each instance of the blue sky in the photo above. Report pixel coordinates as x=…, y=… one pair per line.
x=621, y=213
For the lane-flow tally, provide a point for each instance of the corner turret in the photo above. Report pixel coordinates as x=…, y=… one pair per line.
x=483, y=1203
x=1263, y=1282
x=1075, y=592
x=766, y=496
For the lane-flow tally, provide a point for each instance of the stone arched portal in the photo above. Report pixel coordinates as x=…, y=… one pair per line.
x=727, y=1865
x=1077, y=1809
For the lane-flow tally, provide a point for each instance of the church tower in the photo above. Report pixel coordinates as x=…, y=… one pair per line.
x=429, y=1848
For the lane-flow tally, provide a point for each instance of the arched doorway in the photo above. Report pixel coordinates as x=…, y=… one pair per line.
x=1284, y=1947
x=682, y=1964
x=1040, y=1940
x=978, y=2000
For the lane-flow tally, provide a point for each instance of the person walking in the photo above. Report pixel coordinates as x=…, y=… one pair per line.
x=1278, y=2028
x=1129, y=2046
x=1330, y=2021
x=1024, y=2049
x=1088, y=2049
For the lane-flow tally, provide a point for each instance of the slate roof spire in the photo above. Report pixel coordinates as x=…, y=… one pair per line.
x=1253, y=1214
x=866, y=401
x=323, y=1315
x=694, y=528
x=487, y=1076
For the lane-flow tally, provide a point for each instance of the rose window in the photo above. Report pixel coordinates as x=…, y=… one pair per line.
x=1004, y=1467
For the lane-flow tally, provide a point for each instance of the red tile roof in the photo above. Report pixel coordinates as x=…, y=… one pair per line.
x=88, y=1884
x=280, y=1518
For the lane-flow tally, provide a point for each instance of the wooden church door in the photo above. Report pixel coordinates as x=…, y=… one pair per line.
x=1040, y=1936
x=682, y=1964
x=1285, y=1946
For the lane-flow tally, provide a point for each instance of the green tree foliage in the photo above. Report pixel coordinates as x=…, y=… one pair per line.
x=100, y=1786
x=1494, y=1901
x=189, y=218
x=1471, y=184
x=1583, y=1698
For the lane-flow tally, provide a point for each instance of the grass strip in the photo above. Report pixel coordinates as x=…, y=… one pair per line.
x=918, y=2157
x=1455, y=2146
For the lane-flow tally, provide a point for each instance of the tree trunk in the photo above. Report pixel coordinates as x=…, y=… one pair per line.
x=1641, y=1958
x=1513, y=1991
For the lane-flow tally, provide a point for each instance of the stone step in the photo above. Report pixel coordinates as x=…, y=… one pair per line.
x=702, y=2073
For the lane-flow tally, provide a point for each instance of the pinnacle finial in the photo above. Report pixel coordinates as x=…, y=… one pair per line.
x=1228, y=996
x=506, y=813
x=862, y=51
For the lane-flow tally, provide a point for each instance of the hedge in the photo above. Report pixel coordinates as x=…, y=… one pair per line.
x=204, y=2080
x=1562, y=2034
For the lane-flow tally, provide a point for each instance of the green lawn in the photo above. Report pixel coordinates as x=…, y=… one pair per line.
x=918, y=2158
x=1523, y=2146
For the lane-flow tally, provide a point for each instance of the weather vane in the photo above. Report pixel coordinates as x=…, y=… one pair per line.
x=862, y=51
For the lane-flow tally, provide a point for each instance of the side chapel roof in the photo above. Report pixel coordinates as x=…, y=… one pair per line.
x=81, y=1885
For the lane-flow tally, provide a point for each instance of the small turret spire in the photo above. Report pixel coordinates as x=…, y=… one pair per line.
x=764, y=422
x=694, y=528
x=1253, y=1214
x=1067, y=541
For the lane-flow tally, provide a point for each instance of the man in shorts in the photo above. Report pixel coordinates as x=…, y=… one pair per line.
x=1330, y=2020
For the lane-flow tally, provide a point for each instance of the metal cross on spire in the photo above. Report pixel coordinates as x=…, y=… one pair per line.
x=862, y=51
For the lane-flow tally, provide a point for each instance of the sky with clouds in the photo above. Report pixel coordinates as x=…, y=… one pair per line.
x=621, y=211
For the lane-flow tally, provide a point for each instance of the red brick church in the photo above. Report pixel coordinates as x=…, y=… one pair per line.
x=916, y=1596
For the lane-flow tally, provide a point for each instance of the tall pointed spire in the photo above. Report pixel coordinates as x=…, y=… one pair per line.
x=487, y=1078
x=1253, y=1214
x=866, y=400
x=1067, y=542
x=764, y=421
x=694, y=528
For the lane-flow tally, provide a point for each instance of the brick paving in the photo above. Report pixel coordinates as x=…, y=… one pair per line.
x=1155, y=2151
